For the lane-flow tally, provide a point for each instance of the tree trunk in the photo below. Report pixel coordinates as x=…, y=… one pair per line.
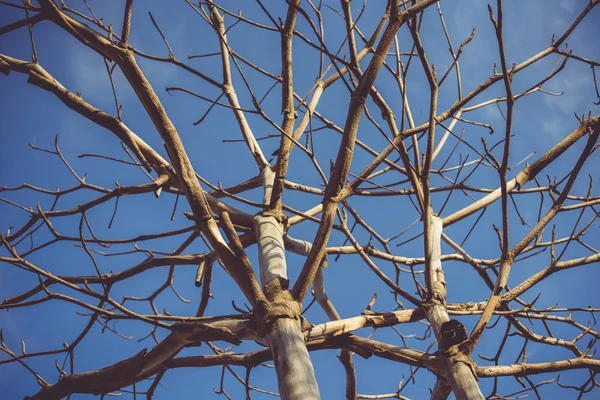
x=458, y=373
x=457, y=370
x=295, y=374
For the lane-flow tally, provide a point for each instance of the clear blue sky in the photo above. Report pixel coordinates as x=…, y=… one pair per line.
x=30, y=115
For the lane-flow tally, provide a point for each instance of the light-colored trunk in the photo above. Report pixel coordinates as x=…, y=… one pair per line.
x=441, y=390
x=271, y=251
x=457, y=370
x=458, y=373
x=295, y=373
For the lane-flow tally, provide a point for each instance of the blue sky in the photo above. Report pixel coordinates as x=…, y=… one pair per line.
x=30, y=115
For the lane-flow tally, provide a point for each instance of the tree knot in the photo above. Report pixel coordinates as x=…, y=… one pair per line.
x=280, y=304
x=279, y=216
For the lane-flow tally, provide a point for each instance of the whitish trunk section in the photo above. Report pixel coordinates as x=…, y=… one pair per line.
x=460, y=376
x=271, y=251
x=457, y=371
x=295, y=374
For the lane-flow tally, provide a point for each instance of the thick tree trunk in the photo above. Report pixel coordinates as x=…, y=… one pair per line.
x=295, y=374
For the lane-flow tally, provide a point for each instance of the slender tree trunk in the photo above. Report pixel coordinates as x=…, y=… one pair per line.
x=457, y=369
x=461, y=377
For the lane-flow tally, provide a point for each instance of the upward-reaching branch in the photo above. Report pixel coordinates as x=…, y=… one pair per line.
x=593, y=131
x=287, y=106
x=229, y=90
x=143, y=89
x=528, y=173
x=510, y=101
x=346, y=149
x=127, y=22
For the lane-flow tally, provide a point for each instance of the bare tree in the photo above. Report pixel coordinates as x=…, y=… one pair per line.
x=361, y=179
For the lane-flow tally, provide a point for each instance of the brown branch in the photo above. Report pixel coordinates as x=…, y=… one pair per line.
x=228, y=89
x=29, y=21
x=528, y=173
x=525, y=369
x=346, y=149
x=592, y=128
x=126, y=23
x=287, y=107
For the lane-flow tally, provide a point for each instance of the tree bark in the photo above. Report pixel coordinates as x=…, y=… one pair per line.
x=458, y=367
x=295, y=374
